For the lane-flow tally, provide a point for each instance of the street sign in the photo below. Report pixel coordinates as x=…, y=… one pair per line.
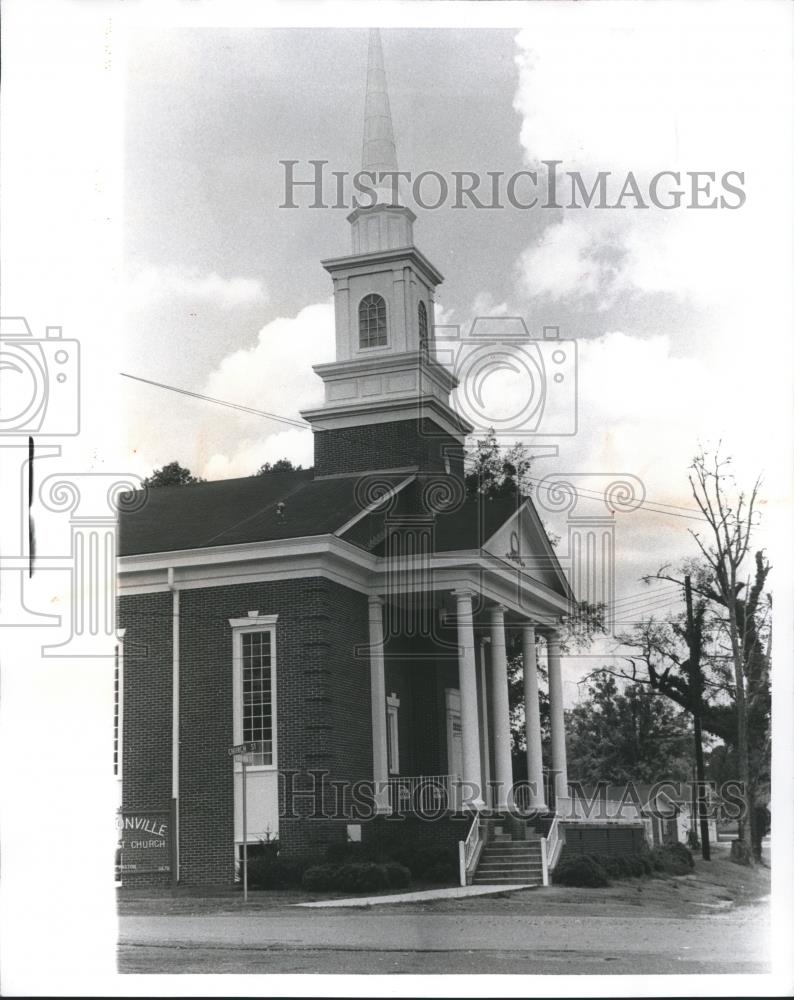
x=243, y=753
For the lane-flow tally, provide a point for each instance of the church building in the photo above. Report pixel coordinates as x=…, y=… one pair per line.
x=349, y=624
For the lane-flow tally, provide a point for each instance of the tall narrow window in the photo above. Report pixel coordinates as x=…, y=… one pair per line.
x=257, y=691
x=423, y=337
x=254, y=686
x=372, y=321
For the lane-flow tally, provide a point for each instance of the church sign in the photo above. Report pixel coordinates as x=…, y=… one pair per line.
x=144, y=840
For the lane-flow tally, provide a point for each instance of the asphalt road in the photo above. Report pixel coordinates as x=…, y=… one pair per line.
x=429, y=941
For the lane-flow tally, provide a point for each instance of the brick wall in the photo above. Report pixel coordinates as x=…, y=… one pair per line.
x=384, y=833
x=146, y=733
x=418, y=670
x=604, y=840
x=323, y=715
x=391, y=445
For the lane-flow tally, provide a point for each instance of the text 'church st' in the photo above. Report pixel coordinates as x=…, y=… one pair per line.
x=350, y=623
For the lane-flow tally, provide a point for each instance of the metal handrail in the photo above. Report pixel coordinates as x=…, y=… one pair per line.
x=550, y=847
x=420, y=793
x=467, y=849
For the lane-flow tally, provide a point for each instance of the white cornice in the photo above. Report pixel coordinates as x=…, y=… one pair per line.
x=344, y=563
x=388, y=411
x=364, y=262
x=378, y=364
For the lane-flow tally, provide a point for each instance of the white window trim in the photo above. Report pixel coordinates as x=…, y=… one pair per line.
x=373, y=347
x=240, y=626
x=393, y=732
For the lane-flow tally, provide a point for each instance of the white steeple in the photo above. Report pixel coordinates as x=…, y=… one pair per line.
x=386, y=224
x=379, y=152
x=384, y=296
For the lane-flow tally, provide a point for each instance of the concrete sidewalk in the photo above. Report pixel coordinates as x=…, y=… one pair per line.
x=423, y=896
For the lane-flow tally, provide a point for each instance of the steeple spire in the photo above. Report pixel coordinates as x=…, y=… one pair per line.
x=379, y=152
x=381, y=221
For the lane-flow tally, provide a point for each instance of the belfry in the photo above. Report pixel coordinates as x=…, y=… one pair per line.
x=386, y=401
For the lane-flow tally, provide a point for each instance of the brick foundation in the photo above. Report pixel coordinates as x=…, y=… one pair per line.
x=606, y=840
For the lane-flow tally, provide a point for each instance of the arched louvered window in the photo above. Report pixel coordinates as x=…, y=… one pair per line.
x=422, y=327
x=372, y=321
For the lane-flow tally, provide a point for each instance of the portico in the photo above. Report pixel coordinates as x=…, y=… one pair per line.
x=471, y=648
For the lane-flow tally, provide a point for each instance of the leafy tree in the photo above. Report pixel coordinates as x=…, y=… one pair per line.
x=172, y=474
x=576, y=632
x=282, y=465
x=492, y=474
x=626, y=733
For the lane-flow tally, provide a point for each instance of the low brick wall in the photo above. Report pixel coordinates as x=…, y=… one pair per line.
x=608, y=840
x=386, y=832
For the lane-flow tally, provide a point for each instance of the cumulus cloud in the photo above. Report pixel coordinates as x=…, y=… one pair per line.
x=273, y=374
x=152, y=285
x=616, y=87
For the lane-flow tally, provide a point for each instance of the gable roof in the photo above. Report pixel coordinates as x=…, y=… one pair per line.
x=240, y=511
x=234, y=511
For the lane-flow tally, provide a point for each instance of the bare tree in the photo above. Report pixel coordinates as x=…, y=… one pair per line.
x=732, y=696
x=731, y=517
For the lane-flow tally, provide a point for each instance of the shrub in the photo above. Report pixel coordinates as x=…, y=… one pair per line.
x=431, y=864
x=441, y=871
x=682, y=854
x=265, y=871
x=356, y=876
x=342, y=851
x=399, y=876
x=320, y=878
x=673, y=859
x=264, y=848
x=581, y=870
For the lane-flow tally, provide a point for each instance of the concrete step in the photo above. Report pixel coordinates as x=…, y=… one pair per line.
x=505, y=880
x=490, y=869
x=488, y=859
x=508, y=859
x=530, y=872
x=512, y=849
x=513, y=855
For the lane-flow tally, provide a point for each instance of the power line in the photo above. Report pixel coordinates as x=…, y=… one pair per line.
x=651, y=505
x=654, y=506
x=221, y=402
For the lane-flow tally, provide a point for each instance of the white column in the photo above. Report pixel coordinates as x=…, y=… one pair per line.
x=469, y=715
x=378, y=703
x=485, y=743
x=558, y=757
x=503, y=762
x=537, y=799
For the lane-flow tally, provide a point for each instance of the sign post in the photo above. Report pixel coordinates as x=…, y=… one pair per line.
x=243, y=752
x=245, y=835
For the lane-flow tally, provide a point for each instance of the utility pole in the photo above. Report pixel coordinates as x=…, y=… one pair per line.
x=694, y=636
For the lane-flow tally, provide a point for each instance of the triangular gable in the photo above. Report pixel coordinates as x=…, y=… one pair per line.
x=523, y=541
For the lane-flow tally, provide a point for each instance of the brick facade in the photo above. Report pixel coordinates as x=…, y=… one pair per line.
x=418, y=671
x=603, y=839
x=323, y=714
x=146, y=732
x=396, y=444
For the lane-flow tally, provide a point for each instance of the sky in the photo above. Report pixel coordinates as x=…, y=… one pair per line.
x=680, y=318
